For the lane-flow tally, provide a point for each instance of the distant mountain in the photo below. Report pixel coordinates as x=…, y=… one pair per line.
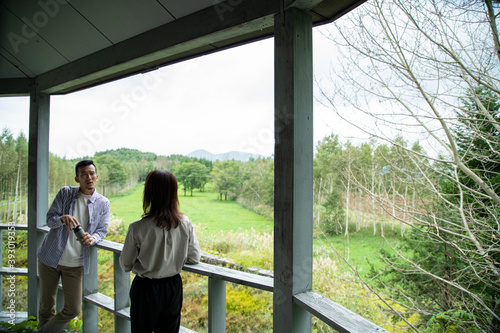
x=232, y=155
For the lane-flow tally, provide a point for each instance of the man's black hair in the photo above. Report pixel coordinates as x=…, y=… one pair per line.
x=84, y=163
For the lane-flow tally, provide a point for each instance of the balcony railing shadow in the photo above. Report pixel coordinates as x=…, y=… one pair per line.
x=333, y=314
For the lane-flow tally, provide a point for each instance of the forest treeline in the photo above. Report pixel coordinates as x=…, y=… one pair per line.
x=344, y=176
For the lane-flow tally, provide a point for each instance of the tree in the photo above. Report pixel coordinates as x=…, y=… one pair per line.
x=258, y=182
x=113, y=172
x=22, y=174
x=478, y=140
x=327, y=184
x=403, y=67
x=226, y=177
x=191, y=175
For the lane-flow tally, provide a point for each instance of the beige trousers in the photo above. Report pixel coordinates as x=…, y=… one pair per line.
x=71, y=277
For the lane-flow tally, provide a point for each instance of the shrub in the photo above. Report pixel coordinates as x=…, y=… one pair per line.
x=26, y=326
x=247, y=310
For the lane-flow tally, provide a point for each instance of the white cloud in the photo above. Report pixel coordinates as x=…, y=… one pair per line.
x=218, y=102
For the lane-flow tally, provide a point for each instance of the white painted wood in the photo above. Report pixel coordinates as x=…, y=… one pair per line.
x=216, y=305
x=335, y=315
x=293, y=171
x=38, y=187
x=14, y=271
x=231, y=275
x=101, y=300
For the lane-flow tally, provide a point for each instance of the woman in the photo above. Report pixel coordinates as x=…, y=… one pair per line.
x=156, y=248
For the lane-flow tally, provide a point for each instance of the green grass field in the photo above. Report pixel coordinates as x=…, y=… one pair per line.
x=214, y=218
x=205, y=211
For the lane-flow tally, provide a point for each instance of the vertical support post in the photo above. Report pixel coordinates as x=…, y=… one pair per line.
x=59, y=299
x=293, y=199
x=122, y=289
x=89, y=310
x=38, y=185
x=216, y=305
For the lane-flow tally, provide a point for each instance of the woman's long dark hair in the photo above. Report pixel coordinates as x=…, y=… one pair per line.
x=160, y=199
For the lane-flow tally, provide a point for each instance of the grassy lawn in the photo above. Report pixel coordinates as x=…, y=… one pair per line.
x=213, y=217
x=360, y=250
x=209, y=214
x=128, y=206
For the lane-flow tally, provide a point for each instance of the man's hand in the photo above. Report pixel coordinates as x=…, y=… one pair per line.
x=69, y=221
x=87, y=239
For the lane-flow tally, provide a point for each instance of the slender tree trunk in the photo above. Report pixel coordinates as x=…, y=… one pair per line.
x=347, y=204
x=413, y=206
x=14, y=210
x=318, y=219
x=381, y=214
x=494, y=29
x=9, y=197
x=374, y=212
x=393, y=185
x=405, y=210
x=359, y=217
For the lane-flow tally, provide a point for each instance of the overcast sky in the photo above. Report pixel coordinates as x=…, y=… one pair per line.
x=220, y=102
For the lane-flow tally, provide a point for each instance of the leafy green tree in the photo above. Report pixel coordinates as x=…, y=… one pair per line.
x=226, y=177
x=136, y=164
x=191, y=175
x=114, y=176
x=335, y=215
x=478, y=141
x=257, y=182
x=21, y=188
x=328, y=184
x=8, y=172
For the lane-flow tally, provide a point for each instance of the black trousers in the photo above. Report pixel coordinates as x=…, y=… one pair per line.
x=156, y=305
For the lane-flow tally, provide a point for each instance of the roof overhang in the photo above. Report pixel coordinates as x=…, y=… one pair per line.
x=72, y=46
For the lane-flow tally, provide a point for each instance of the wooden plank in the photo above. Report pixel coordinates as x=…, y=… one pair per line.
x=216, y=305
x=293, y=168
x=110, y=246
x=335, y=315
x=38, y=185
x=90, y=315
x=125, y=313
x=101, y=301
x=185, y=330
x=121, y=281
x=43, y=228
x=186, y=37
x=6, y=226
x=232, y=275
x=19, y=316
x=14, y=271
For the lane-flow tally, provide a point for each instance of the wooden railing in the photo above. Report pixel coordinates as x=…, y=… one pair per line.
x=333, y=314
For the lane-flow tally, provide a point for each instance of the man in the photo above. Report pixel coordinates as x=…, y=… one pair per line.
x=61, y=254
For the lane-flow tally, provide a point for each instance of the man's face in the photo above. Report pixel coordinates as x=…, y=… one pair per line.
x=87, y=178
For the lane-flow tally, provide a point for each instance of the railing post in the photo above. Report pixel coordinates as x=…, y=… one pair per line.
x=90, y=317
x=38, y=185
x=59, y=299
x=122, y=290
x=293, y=166
x=216, y=305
